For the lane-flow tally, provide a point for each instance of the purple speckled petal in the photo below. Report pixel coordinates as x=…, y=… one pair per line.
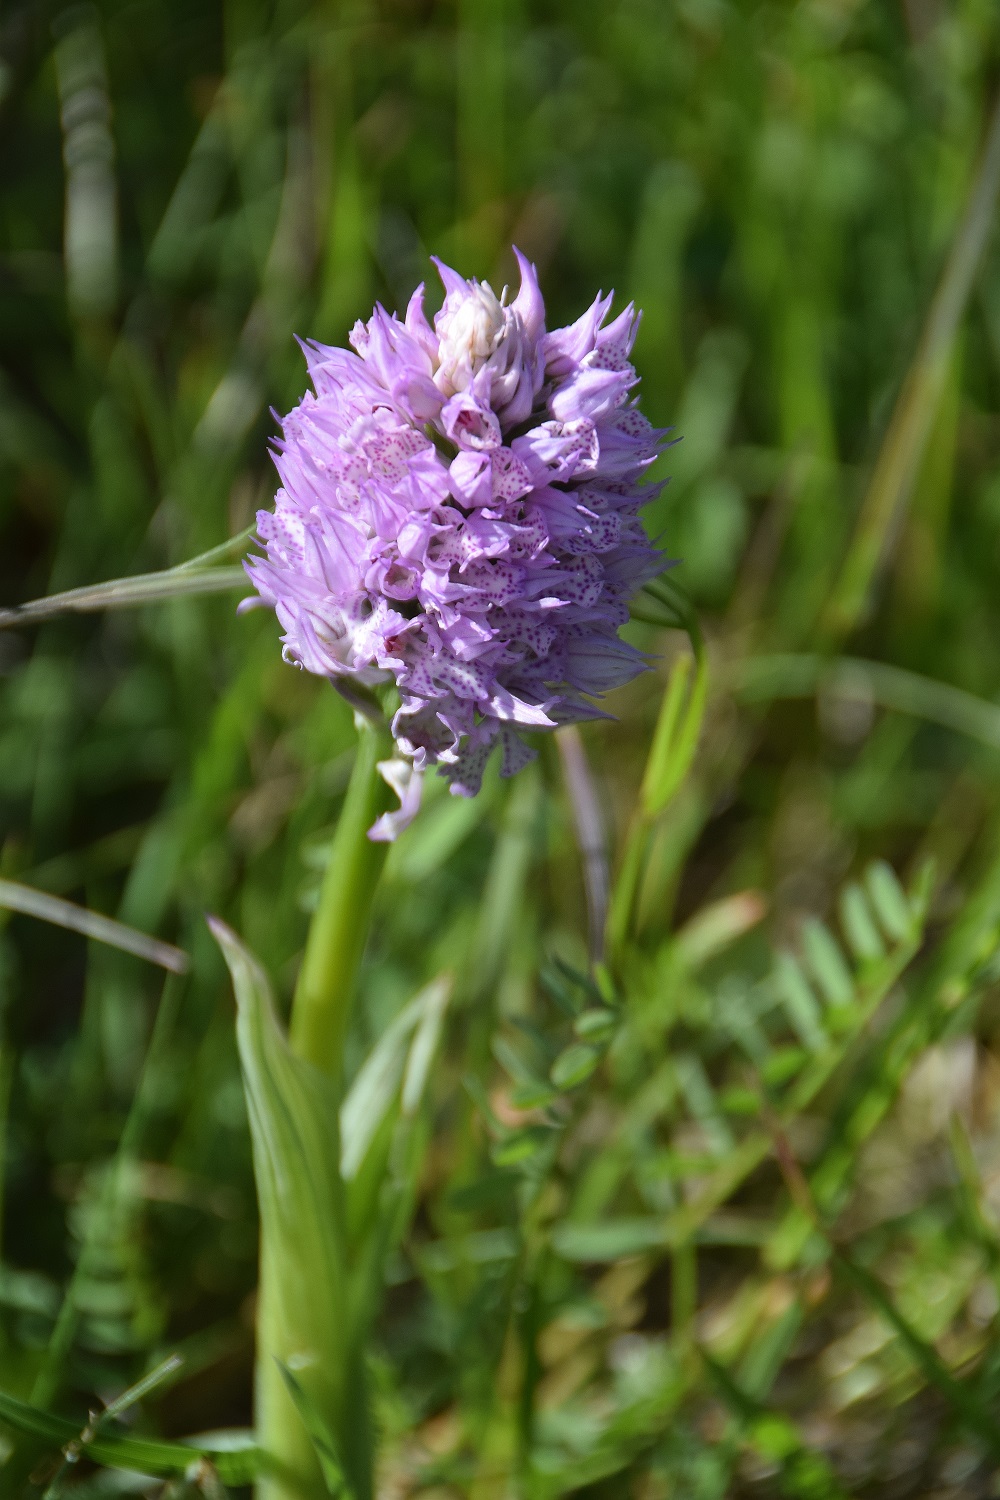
x=470, y=423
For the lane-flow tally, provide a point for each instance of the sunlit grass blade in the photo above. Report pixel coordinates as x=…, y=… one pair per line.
x=215, y=555
x=142, y=1455
x=141, y=1389
x=590, y=836
x=912, y=420
x=98, y=1421
x=962, y=1399
x=712, y=929
x=91, y=924
x=765, y=678
x=126, y=593
x=675, y=740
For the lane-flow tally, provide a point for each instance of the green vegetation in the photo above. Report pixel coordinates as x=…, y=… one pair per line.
x=717, y=1216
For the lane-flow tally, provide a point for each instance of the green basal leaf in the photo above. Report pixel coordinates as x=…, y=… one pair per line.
x=296, y=1147
x=375, y=1089
x=383, y=1139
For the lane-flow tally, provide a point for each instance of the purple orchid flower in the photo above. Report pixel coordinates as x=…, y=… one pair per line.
x=459, y=513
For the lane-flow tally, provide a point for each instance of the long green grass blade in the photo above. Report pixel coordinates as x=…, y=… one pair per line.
x=963, y=1400
x=146, y=1455
x=126, y=593
x=912, y=420
x=92, y=925
x=765, y=678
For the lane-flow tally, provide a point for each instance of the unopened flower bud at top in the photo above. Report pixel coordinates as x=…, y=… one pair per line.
x=459, y=514
x=469, y=328
x=477, y=332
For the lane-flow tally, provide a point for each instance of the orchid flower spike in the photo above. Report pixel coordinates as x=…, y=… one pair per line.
x=459, y=512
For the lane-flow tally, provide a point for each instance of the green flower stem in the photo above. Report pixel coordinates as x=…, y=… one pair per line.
x=674, y=744
x=339, y=928
x=319, y=1021
x=625, y=891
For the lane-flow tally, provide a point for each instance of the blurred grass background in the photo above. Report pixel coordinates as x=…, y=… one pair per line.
x=760, y=1252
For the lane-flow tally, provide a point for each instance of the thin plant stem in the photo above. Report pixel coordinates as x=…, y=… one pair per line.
x=590, y=836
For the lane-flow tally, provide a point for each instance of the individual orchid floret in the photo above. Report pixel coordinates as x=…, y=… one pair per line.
x=459, y=515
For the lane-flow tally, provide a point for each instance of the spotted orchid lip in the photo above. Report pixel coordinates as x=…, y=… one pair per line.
x=471, y=489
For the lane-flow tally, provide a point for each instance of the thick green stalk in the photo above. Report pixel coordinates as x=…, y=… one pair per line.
x=319, y=1021
x=339, y=927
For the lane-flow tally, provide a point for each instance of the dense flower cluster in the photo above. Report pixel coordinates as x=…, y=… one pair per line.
x=459, y=509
